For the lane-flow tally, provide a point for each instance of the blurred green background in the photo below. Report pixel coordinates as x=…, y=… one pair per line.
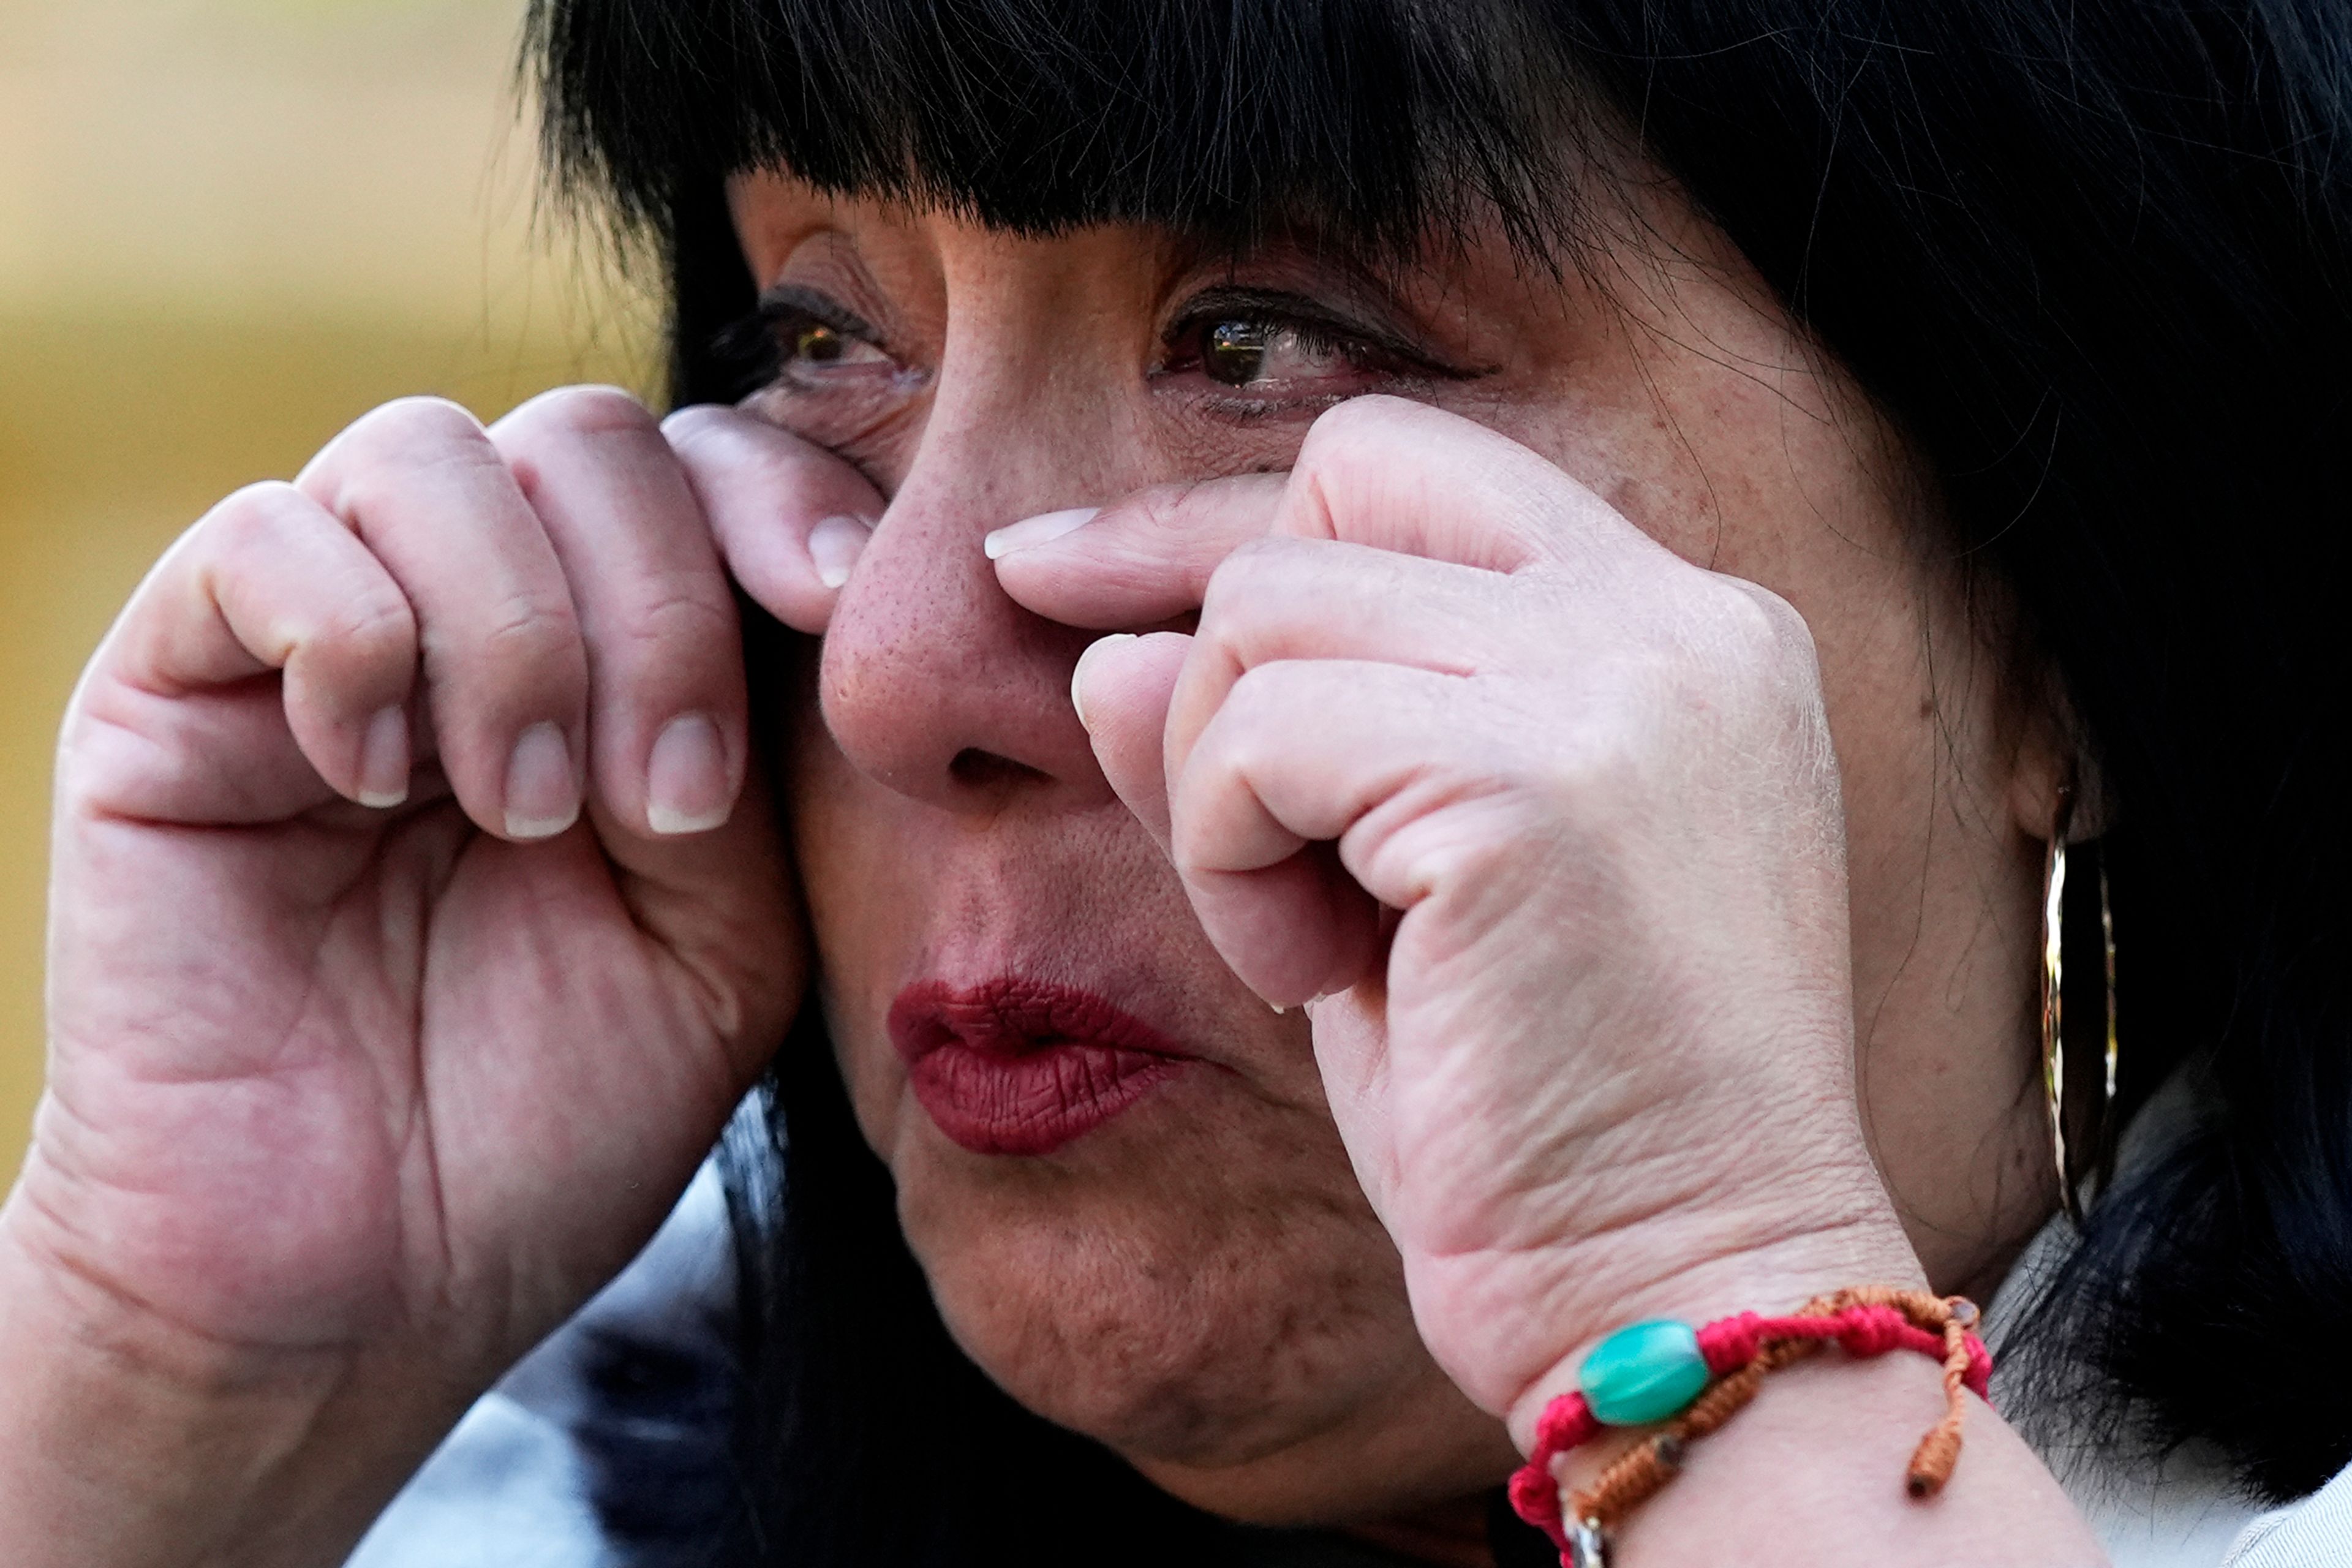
x=227, y=227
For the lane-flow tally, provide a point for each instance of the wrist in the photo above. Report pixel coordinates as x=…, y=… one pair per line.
x=126, y=1441
x=1812, y=1473
x=1599, y=1296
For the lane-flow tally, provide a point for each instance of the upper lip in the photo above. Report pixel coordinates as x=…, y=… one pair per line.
x=1015, y=1016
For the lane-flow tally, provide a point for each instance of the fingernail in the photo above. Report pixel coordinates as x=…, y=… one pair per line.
x=834, y=544
x=1079, y=674
x=384, y=759
x=686, y=783
x=1032, y=531
x=543, y=791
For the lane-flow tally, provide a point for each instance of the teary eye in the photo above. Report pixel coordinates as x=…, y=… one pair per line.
x=818, y=345
x=1262, y=350
x=1247, y=351
x=801, y=340
x=1266, y=352
x=1234, y=352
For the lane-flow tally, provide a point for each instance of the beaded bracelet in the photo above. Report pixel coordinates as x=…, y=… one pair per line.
x=1695, y=1380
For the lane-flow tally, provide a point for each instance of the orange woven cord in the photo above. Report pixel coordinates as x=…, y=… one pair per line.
x=1938, y=1453
x=1933, y=1461
x=1643, y=1471
x=1637, y=1475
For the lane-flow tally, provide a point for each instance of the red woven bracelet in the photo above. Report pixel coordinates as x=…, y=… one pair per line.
x=1738, y=1353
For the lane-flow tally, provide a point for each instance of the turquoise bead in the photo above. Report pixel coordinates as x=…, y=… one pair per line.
x=1644, y=1373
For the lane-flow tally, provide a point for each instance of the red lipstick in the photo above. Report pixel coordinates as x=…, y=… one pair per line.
x=1022, y=1067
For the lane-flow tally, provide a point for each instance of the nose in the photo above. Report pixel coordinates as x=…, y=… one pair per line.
x=932, y=681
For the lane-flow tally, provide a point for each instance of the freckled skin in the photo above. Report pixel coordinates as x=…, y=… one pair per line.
x=1200, y=1283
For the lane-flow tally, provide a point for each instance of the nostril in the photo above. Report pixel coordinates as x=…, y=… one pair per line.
x=976, y=769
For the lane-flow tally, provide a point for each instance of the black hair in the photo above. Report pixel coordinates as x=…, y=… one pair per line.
x=2089, y=256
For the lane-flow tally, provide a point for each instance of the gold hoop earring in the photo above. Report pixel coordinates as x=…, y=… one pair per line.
x=2107, y=953
x=2053, y=1043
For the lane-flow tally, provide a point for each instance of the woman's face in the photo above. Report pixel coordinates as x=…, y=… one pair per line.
x=1114, y=1163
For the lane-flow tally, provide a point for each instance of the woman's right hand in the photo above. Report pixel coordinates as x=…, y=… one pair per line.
x=417, y=917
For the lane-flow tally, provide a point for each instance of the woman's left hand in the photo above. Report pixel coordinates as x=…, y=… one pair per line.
x=1542, y=823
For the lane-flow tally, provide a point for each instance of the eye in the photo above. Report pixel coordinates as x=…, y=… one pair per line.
x=1261, y=352
x=808, y=345
x=807, y=364
x=1246, y=351
x=799, y=340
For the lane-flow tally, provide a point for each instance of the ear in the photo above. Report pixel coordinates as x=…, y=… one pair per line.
x=2054, y=770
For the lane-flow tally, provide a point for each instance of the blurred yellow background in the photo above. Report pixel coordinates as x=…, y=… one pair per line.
x=226, y=229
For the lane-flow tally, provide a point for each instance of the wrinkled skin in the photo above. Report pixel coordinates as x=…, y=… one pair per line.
x=1654, y=770
x=1532, y=684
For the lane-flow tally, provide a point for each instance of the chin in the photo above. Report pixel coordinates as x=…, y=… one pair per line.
x=1230, y=1319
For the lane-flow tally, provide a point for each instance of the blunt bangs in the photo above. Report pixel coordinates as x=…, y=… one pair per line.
x=1373, y=123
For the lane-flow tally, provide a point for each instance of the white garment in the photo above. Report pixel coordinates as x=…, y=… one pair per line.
x=2188, y=1511
x=2315, y=1533
x=2183, y=1513
x=505, y=1490
x=508, y=1489
x=509, y=1486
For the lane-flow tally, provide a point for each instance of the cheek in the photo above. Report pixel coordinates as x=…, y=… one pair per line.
x=862, y=893
x=1793, y=483
x=1200, y=1282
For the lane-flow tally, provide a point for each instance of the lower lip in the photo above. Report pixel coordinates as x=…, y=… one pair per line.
x=1015, y=1066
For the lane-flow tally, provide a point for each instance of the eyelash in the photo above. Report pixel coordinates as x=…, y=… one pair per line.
x=755, y=355
x=751, y=354
x=1185, y=342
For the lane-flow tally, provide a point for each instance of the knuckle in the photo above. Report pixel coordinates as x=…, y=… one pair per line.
x=1329, y=450
x=338, y=601
x=389, y=447
x=1758, y=640
x=1259, y=720
x=256, y=517
x=1366, y=431
x=1250, y=705
x=531, y=632
x=1238, y=582
x=409, y=423
x=1162, y=509
x=569, y=412
x=786, y=470
x=1768, y=619
x=373, y=620
x=1360, y=421
x=680, y=613
x=1456, y=850
x=1595, y=771
x=1341, y=460
x=1263, y=582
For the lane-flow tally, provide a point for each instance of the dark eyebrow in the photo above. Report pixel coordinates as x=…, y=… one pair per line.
x=1304, y=245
